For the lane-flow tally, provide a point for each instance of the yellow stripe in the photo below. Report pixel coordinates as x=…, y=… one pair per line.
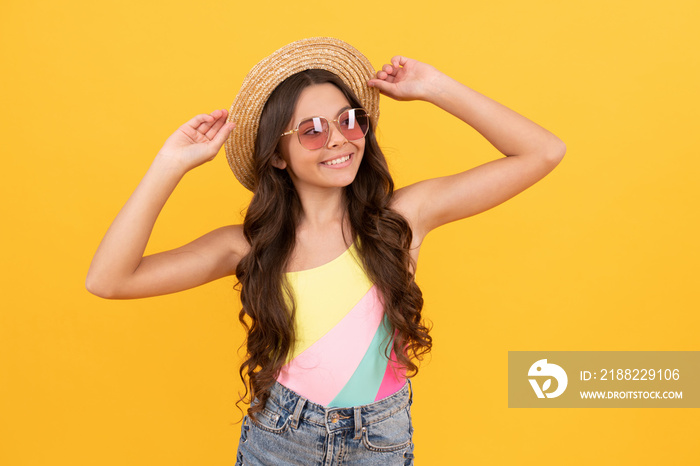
x=324, y=295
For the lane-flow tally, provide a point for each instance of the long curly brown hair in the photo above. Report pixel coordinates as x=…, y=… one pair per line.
x=384, y=240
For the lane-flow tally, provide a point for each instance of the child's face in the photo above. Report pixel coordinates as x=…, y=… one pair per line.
x=309, y=169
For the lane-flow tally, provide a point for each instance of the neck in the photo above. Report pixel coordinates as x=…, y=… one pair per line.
x=322, y=208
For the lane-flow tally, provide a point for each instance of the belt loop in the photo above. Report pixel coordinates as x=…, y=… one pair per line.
x=358, y=423
x=297, y=412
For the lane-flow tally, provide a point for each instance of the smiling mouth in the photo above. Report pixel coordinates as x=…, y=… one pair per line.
x=342, y=159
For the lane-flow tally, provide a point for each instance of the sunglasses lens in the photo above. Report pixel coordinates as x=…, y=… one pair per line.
x=354, y=123
x=313, y=133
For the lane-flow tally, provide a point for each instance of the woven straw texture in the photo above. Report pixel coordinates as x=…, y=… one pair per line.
x=325, y=53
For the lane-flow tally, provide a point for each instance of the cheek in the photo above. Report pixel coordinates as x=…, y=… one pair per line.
x=299, y=160
x=361, y=147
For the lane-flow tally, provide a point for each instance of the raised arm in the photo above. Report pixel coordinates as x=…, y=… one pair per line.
x=531, y=151
x=120, y=271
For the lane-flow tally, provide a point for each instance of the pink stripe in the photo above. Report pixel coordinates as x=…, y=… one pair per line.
x=322, y=370
x=394, y=378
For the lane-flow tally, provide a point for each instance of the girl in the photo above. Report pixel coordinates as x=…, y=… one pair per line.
x=326, y=256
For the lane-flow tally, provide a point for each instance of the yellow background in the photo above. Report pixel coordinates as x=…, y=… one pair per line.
x=600, y=255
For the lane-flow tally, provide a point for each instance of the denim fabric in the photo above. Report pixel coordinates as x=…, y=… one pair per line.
x=294, y=431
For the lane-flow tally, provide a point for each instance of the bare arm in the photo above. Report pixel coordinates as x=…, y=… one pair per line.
x=531, y=150
x=119, y=270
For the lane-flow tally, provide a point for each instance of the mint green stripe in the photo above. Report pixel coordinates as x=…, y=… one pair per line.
x=363, y=386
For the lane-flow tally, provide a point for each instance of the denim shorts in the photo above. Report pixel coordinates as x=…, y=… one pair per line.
x=294, y=431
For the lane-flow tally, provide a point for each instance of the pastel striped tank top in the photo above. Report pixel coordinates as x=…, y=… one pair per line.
x=339, y=358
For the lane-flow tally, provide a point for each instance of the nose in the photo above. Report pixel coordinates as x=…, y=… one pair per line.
x=335, y=137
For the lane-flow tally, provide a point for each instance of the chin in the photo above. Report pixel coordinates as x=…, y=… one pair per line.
x=345, y=181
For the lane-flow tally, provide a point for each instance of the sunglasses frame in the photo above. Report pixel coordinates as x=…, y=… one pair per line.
x=328, y=134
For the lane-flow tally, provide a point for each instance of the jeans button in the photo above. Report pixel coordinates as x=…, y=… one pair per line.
x=334, y=417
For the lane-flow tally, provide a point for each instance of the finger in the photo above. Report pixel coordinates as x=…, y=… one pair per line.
x=206, y=125
x=198, y=120
x=388, y=69
x=217, y=116
x=218, y=123
x=381, y=74
x=399, y=60
x=383, y=86
x=222, y=135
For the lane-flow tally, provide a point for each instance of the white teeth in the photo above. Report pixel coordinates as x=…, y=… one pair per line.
x=337, y=161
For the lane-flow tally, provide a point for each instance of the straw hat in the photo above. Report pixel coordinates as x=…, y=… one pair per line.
x=324, y=53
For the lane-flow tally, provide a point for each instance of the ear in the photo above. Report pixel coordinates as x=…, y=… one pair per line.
x=278, y=161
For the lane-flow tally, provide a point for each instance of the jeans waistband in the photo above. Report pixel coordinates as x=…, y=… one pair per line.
x=289, y=403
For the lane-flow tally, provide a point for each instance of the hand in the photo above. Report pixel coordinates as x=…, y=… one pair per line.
x=197, y=141
x=405, y=79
